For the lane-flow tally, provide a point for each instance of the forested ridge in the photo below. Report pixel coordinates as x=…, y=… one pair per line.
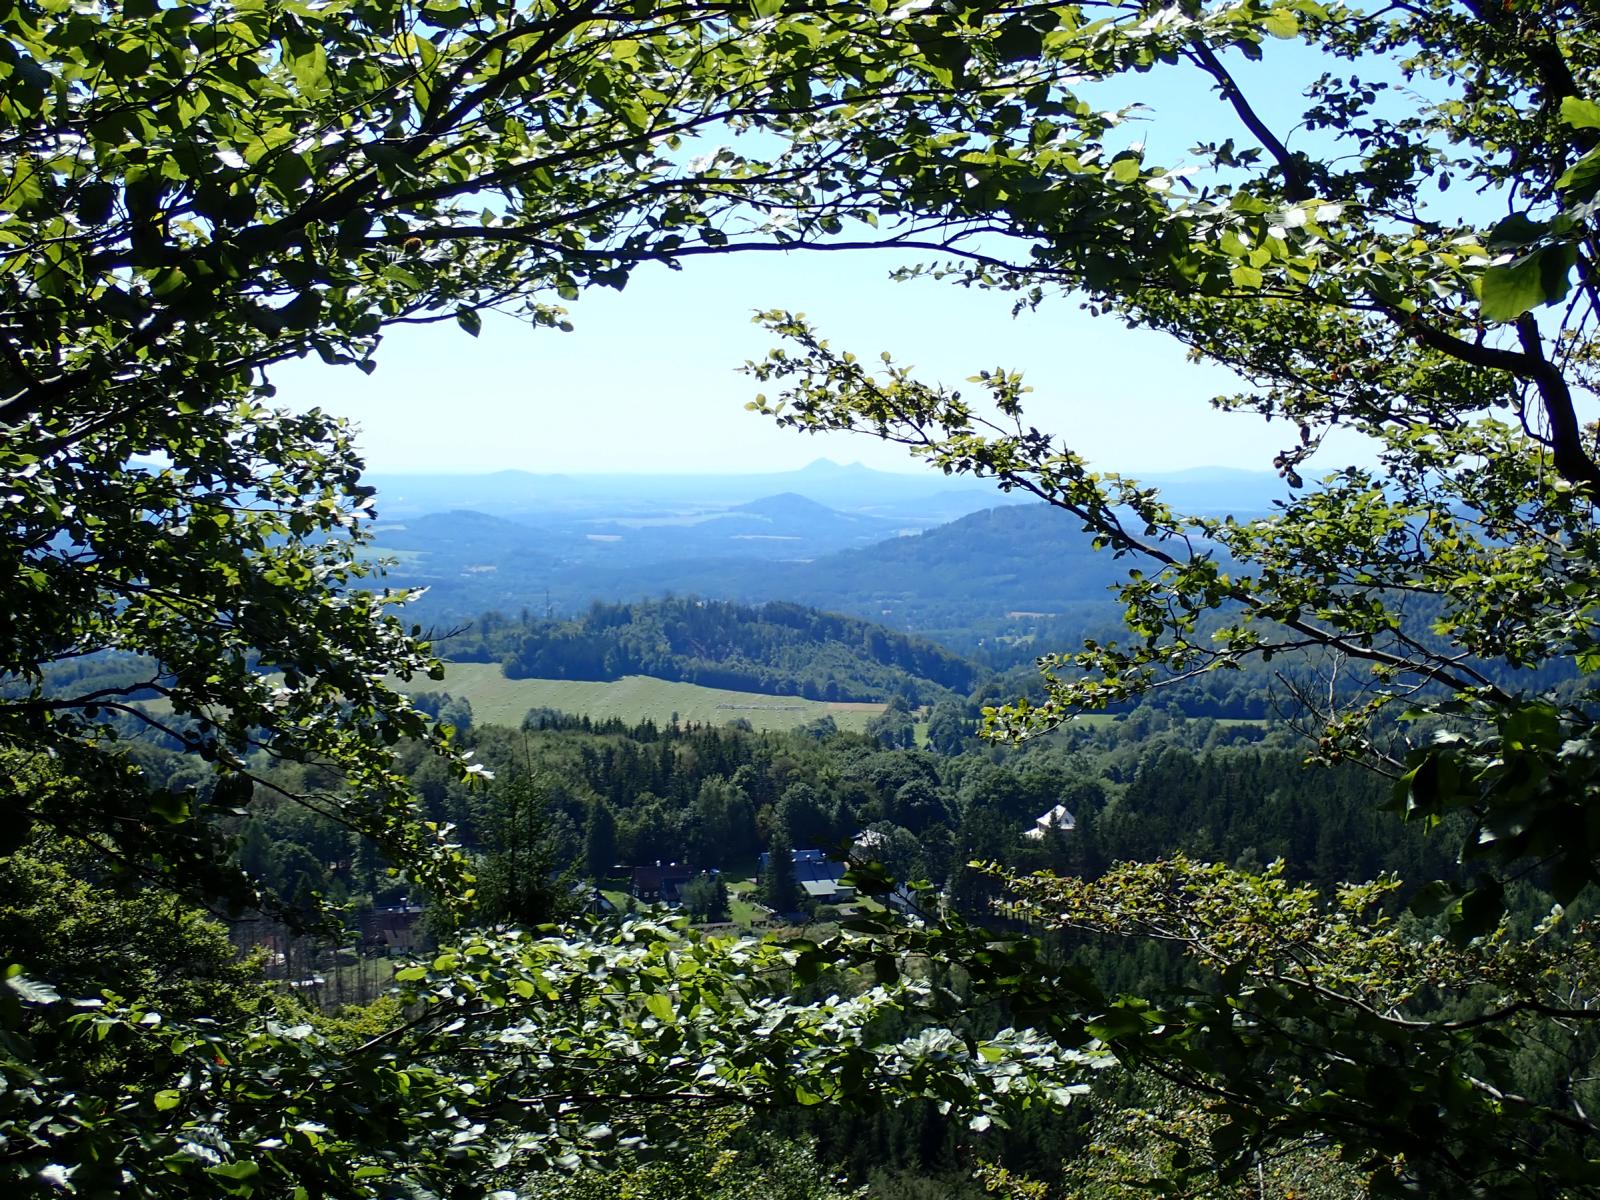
x=955, y=583
x=272, y=927
x=778, y=648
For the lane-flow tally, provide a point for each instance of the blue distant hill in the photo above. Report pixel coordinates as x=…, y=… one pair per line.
x=985, y=574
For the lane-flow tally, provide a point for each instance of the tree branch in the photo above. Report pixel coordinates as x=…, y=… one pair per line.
x=1295, y=183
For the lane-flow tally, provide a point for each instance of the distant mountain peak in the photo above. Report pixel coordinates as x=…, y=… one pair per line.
x=788, y=504
x=518, y=474
x=466, y=516
x=826, y=466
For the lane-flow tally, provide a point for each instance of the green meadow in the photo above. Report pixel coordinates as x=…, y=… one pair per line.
x=497, y=700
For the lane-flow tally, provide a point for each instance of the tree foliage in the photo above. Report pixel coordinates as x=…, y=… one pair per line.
x=522, y=880
x=1346, y=292
x=705, y=898
x=778, y=890
x=718, y=1159
x=1328, y=1012
x=189, y=195
x=526, y=1052
x=1408, y=257
x=778, y=648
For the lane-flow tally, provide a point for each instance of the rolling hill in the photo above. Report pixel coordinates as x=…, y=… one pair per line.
x=779, y=649
x=999, y=577
x=960, y=584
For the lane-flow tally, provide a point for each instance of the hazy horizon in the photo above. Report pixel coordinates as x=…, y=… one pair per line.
x=814, y=464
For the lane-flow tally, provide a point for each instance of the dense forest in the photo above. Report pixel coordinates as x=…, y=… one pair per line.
x=713, y=796
x=574, y=801
x=777, y=648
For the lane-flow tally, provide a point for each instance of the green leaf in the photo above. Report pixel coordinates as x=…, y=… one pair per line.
x=1516, y=231
x=95, y=201
x=272, y=137
x=236, y=1178
x=31, y=990
x=862, y=925
x=1571, y=873
x=660, y=1006
x=1435, y=784
x=1118, y=1023
x=1281, y=23
x=1534, y=726
x=24, y=189
x=470, y=320
x=1580, y=114
x=171, y=807
x=446, y=15
x=310, y=70
x=1542, y=277
x=1124, y=170
x=1435, y=898
x=1581, y=180
x=1477, y=912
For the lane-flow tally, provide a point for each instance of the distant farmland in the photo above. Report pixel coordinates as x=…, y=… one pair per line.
x=497, y=700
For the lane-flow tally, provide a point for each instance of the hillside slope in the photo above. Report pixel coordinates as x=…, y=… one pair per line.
x=778, y=648
x=957, y=583
x=1018, y=574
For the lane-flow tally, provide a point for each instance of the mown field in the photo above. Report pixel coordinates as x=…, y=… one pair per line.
x=1103, y=720
x=497, y=700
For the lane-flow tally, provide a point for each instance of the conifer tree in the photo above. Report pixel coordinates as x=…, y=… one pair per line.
x=600, y=846
x=778, y=890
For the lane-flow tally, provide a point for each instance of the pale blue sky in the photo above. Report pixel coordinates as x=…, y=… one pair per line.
x=649, y=381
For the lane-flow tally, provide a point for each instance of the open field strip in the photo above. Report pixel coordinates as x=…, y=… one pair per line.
x=1100, y=720
x=497, y=700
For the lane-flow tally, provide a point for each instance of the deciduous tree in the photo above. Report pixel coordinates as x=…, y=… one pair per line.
x=190, y=195
x=1409, y=256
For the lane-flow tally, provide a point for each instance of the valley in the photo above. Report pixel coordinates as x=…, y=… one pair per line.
x=901, y=551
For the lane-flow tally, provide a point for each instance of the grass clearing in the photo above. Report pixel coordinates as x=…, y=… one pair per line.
x=1101, y=720
x=497, y=700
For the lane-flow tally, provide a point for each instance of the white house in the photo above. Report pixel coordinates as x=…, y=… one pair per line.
x=1057, y=818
